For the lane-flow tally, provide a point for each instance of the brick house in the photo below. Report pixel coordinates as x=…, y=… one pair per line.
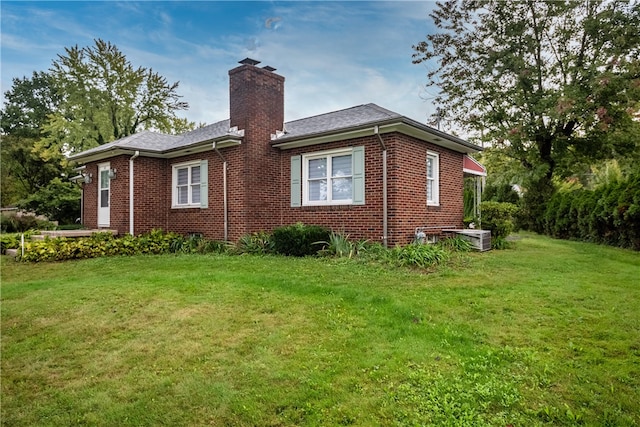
x=365, y=171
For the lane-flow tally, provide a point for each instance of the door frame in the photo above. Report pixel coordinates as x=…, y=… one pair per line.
x=104, y=212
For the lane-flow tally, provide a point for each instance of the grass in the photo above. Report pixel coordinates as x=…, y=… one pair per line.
x=546, y=333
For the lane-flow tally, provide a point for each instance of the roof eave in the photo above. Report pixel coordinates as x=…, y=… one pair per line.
x=199, y=147
x=402, y=125
x=202, y=146
x=286, y=143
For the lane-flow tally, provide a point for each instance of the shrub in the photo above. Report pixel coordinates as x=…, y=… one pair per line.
x=500, y=193
x=609, y=214
x=299, y=239
x=500, y=243
x=105, y=244
x=498, y=217
x=12, y=240
x=59, y=201
x=21, y=222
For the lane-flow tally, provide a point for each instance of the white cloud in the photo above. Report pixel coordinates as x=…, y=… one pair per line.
x=333, y=54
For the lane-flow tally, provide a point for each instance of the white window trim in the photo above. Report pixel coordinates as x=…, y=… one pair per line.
x=435, y=201
x=174, y=184
x=305, y=178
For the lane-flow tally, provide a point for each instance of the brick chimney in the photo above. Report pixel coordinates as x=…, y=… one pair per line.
x=256, y=100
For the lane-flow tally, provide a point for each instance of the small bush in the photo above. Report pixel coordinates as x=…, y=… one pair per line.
x=12, y=240
x=500, y=243
x=59, y=201
x=105, y=244
x=20, y=222
x=299, y=239
x=498, y=218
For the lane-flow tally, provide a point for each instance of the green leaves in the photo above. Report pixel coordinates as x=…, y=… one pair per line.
x=107, y=98
x=298, y=239
x=553, y=85
x=609, y=214
x=58, y=201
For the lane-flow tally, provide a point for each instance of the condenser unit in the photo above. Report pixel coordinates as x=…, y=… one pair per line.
x=480, y=239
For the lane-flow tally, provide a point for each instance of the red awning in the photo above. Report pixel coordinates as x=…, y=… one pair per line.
x=472, y=167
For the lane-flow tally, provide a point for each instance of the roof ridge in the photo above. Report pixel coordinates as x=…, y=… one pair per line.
x=204, y=127
x=330, y=112
x=384, y=110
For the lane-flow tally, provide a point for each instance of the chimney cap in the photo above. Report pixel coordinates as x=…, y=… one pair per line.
x=249, y=61
x=268, y=68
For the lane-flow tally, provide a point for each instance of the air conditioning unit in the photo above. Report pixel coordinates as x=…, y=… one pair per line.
x=480, y=239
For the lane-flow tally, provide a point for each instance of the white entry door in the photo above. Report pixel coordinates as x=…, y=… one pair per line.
x=104, y=195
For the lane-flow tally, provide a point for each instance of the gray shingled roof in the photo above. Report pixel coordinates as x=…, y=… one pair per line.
x=336, y=121
x=202, y=134
x=353, y=117
x=159, y=142
x=360, y=116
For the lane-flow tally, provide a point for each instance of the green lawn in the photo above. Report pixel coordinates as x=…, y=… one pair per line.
x=547, y=332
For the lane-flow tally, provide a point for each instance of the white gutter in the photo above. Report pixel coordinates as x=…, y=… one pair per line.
x=224, y=192
x=131, y=204
x=385, y=234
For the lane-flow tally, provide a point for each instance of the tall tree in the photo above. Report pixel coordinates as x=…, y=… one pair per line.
x=551, y=83
x=107, y=98
x=25, y=169
x=91, y=96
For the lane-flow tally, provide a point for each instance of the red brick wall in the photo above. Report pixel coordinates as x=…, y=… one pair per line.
x=358, y=221
x=120, y=195
x=90, y=197
x=206, y=221
x=151, y=200
x=406, y=194
x=406, y=191
x=407, y=177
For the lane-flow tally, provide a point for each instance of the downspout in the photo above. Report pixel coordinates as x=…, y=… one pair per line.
x=224, y=192
x=385, y=236
x=131, y=204
x=82, y=204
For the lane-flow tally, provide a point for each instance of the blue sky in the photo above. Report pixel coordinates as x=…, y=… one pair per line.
x=333, y=55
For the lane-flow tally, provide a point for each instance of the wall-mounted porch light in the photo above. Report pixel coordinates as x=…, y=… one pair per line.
x=112, y=173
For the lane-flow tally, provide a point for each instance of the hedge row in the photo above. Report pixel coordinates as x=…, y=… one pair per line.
x=608, y=215
x=105, y=244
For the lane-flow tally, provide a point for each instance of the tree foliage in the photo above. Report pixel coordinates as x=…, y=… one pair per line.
x=554, y=85
x=28, y=104
x=25, y=168
x=90, y=96
x=59, y=201
x=608, y=213
x=106, y=98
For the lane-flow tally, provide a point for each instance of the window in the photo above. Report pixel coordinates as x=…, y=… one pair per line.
x=328, y=178
x=189, y=185
x=433, y=179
